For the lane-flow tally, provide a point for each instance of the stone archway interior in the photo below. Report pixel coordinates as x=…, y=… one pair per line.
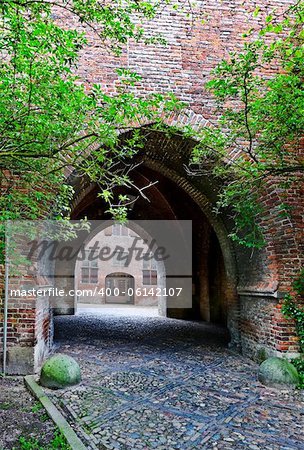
x=167, y=200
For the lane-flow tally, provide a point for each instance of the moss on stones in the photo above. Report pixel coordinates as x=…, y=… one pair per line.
x=59, y=372
x=278, y=372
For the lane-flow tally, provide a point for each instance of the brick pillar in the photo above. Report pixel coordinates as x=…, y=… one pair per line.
x=29, y=335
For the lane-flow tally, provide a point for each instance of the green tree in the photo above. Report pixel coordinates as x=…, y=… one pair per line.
x=258, y=139
x=49, y=122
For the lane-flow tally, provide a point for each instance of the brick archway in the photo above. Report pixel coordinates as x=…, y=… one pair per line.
x=261, y=278
x=167, y=156
x=257, y=278
x=158, y=160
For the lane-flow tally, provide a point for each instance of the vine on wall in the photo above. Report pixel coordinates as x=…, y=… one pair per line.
x=293, y=309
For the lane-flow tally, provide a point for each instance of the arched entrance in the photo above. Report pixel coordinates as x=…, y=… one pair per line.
x=119, y=288
x=177, y=196
x=115, y=265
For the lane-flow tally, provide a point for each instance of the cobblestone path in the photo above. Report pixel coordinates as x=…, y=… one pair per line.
x=155, y=383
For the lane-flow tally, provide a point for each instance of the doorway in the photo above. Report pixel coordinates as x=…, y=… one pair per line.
x=119, y=289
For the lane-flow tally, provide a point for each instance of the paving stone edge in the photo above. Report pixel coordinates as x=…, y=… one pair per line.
x=68, y=432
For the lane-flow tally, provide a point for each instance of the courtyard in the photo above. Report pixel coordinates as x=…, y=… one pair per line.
x=154, y=382
x=151, y=224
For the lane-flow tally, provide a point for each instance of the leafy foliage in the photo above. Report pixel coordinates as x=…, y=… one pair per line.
x=292, y=310
x=49, y=123
x=299, y=365
x=58, y=442
x=258, y=141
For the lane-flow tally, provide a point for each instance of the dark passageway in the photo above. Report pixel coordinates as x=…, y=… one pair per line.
x=138, y=330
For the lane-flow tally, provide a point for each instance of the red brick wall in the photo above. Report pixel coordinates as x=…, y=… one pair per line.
x=183, y=66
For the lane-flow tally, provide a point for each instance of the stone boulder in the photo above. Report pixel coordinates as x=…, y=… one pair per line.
x=278, y=372
x=60, y=371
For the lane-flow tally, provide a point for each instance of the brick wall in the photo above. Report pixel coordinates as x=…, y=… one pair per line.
x=28, y=329
x=183, y=66
x=193, y=50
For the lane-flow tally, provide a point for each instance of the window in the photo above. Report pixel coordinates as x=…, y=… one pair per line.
x=120, y=230
x=149, y=270
x=89, y=268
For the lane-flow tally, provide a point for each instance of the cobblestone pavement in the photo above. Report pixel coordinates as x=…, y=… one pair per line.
x=155, y=383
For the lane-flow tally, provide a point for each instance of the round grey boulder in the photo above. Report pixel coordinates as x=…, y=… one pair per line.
x=60, y=371
x=278, y=372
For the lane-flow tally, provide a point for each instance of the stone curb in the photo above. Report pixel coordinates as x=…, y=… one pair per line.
x=70, y=435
